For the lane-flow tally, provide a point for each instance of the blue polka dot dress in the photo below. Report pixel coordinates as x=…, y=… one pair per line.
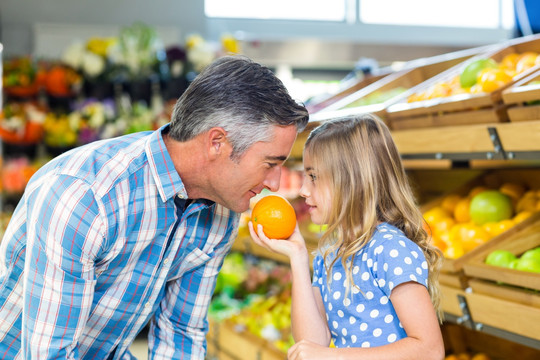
x=366, y=317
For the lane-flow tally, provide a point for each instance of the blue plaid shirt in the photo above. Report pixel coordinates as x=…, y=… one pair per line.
x=96, y=248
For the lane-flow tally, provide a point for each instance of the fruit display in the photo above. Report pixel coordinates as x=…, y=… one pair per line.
x=376, y=97
x=22, y=123
x=483, y=75
x=16, y=173
x=461, y=223
x=254, y=295
x=467, y=356
x=528, y=261
x=276, y=215
x=22, y=76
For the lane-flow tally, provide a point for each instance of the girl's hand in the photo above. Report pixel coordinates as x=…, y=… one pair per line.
x=306, y=349
x=289, y=247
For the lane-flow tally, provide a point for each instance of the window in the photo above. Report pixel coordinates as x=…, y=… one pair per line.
x=327, y=10
x=465, y=23
x=488, y=14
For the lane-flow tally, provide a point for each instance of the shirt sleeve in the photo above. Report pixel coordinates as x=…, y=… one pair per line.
x=64, y=234
x=179, y=327
x=317, y=271
x=398, y=260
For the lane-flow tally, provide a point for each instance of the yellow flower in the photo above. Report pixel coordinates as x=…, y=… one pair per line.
x=230, y=44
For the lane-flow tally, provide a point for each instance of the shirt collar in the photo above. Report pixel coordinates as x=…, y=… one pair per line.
x=162, y=168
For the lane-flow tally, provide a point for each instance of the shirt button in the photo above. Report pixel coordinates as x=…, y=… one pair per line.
x=127, y=342
x=166, y=261
x=147, y=305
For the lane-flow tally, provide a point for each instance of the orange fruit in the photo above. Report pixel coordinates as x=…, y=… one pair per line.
x=439, y=241
x=477, y=190
x=514, y=190
x=449, y=202
x=461, y=211
x=276, y=215
x=481, y=356
x=526, y=203
x=509, y=61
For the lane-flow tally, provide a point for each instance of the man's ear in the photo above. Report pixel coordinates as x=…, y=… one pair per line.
x=217, y=143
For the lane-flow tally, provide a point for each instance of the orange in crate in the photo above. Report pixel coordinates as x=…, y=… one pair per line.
x=276, y=215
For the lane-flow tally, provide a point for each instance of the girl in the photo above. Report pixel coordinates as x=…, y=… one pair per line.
x=374, y=292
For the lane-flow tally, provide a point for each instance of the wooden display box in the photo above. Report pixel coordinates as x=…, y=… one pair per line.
x=412, y=74
x=450, y=299
x=225, y=343
x=461, y=109
x=502, y=298
x=518, y=97
x=517, y=243
x=508, y=308
x=493, y=180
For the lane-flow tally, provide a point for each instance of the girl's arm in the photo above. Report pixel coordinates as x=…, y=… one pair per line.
x=307, y=310
x=415, y=311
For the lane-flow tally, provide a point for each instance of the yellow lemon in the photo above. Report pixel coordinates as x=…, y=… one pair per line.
x=443, y=225
x=503, y=226
x=521, y=216
x=473, y=236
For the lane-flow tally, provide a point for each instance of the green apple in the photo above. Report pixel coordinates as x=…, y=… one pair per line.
x=490, y=206
x=502, y=258
x=468, y=75
x=531, y=254
x=531, y=265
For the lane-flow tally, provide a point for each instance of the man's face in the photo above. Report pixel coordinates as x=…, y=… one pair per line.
x=237, y=181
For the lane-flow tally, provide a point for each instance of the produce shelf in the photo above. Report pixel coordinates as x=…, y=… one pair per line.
x=226, y=343
x=522, y=99
x=461, y=109
x=392, y=88
x=496, y=141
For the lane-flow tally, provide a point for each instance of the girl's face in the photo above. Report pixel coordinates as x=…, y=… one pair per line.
x=317, y=195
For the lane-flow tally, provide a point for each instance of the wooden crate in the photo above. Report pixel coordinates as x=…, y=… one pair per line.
x=511, y=309
x=517, y=98
x=226, y=343
x=517, y=243
x=412, y=74
x=490, y=179
x=463, y=108
x=459, y=339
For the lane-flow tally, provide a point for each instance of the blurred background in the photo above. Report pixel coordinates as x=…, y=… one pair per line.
x=78, y=71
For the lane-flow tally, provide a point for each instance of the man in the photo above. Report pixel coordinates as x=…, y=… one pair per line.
x=124, y=231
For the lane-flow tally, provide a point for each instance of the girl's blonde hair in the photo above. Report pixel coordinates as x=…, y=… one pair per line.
x=356, y=158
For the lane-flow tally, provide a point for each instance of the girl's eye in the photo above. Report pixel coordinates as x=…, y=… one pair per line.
x=312, y=177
